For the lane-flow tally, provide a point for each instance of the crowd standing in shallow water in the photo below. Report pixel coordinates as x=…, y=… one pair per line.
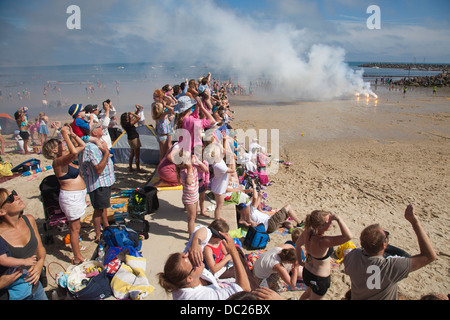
x=191, y=121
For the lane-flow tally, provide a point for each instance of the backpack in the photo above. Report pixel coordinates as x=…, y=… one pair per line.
x=141, y=226
x=143, y=201
x=256, y=238
x=121, y=236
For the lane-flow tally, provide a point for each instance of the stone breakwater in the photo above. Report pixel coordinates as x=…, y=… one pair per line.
x=418, y=66
x=439, y=80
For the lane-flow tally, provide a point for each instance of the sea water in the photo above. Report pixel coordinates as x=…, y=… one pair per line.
x=53, y=89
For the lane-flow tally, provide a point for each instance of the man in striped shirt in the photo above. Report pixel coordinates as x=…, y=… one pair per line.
x=98, y=173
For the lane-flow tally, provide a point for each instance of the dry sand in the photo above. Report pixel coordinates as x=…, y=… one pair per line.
x=363, y=160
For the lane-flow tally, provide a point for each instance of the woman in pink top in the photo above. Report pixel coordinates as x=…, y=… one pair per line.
x=190, y=121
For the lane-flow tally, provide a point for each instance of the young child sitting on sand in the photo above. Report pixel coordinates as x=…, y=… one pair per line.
x=217, y=259
x=273, y=264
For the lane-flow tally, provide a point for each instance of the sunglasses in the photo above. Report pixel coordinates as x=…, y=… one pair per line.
x=193, y=268
x=386, y=235
x=10, y=198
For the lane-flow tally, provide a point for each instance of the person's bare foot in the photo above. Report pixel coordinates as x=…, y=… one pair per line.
x=203, y=214
x=77, y=261
x=244, y=223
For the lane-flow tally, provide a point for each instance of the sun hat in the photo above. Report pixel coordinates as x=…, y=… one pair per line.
x=184, y=103
x=202, y=88
x=90, y=108
x=75, y=109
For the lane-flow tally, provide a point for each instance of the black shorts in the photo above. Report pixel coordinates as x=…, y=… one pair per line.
x=24, y=135
x=101, y=198
x=319, y=285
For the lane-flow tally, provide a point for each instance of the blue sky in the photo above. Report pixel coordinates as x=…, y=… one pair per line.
x=35, y=32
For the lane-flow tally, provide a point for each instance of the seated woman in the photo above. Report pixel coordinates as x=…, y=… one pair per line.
x=24, y=241
x=271, y=265
x=167, y=170
x=187, y=280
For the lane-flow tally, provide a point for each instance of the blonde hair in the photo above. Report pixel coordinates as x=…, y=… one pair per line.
x=180, y=166
x=47, y=148
x=315, y=219
x=157, y=110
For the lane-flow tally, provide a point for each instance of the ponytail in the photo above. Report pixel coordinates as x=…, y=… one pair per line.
x=315, y=219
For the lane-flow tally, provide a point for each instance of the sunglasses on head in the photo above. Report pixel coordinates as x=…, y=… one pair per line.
x=9, y=198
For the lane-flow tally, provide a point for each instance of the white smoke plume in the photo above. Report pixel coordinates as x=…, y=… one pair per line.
x=202, y=30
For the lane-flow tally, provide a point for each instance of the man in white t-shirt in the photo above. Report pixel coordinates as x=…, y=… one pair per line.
x=374, y=277
x=250, y=215
x=103, y=118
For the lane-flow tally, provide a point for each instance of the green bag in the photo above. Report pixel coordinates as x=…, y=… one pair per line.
x=143, y=201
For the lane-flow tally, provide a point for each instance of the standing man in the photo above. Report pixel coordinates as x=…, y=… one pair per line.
x=104, y=119
x=374, y=277
x=98, y=172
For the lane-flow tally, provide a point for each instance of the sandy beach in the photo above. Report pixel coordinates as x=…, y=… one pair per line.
x=362, y=159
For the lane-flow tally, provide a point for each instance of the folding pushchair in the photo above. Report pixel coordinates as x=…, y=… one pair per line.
x=54, y=217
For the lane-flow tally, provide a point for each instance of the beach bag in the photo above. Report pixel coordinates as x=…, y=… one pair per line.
x=115, y=256
x=143, y=201
x=5, y=169
x=141, y=226
x=256, y=238
x=121, y=236
x=86, y=282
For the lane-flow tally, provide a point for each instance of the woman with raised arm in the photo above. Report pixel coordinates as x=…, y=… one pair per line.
x=319, y=247
x=72, y=194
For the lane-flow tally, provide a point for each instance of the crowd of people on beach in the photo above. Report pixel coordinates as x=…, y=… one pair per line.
x=193, y=122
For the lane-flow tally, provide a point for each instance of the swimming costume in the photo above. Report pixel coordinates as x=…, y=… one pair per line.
x=72, y=173
x=327, y=255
